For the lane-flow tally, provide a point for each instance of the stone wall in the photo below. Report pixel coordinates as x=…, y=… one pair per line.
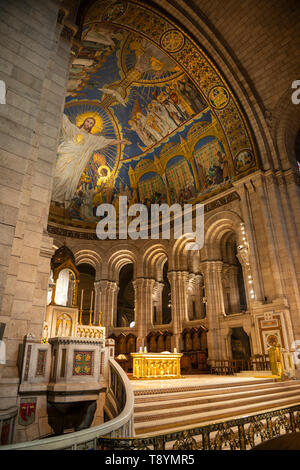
x=35, y=62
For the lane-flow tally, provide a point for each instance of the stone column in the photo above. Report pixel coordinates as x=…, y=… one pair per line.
x=111, y=303
x=106, y=293
x=157, y=300
x=212, y=271
x=195, y=294
x=234, y=288
x=178, y=282
x=249, y=226
x=200, y=296
x=272, y=242
x=100, y=298
x=250, y=330
x=143, y=301
x=286, y=236
x=226, y=336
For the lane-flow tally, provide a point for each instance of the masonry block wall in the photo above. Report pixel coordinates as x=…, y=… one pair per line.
x=34, y=60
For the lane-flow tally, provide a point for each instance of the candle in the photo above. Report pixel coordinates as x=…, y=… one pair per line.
x=91, y=308
x=81, y=299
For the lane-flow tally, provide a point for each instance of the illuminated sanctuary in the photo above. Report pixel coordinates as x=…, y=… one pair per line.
x=176, y=104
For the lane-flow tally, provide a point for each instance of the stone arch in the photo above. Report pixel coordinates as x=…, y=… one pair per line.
x=216, y=226
x=286, y=128
x=153, y=261
x=179, y=255
x=85, y=256
x=227, y=244
x=119, y=259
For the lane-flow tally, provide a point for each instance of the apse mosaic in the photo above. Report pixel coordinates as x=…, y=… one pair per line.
x=146, y=116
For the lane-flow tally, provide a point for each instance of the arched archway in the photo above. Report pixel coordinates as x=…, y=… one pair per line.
x=240, y=344
x=125, y=299
x=87, y=275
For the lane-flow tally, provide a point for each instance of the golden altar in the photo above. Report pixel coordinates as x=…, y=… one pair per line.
x=164, y=365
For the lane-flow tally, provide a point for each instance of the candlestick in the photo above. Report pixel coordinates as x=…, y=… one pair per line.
x=100, y=313
x=81, y=299
x=91, y=307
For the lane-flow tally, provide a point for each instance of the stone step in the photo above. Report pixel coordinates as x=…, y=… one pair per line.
x=254, y=373
x=172, y=424
x=179, y=395
x=159, y=410
x=151, y=392
x=186, y=400
x=184, y=409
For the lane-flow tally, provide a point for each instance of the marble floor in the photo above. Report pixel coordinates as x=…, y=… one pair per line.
x=191, y=381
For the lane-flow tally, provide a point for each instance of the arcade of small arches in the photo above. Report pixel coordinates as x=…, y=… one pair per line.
x=161, y=296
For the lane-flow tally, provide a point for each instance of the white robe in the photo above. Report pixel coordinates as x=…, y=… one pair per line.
x=73, y=155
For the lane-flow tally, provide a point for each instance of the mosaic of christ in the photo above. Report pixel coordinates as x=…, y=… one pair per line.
x=127, y=102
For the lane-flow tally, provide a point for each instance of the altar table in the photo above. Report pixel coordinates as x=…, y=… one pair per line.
x=156, y=365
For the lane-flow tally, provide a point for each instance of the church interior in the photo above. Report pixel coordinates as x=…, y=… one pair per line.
x=127, y=334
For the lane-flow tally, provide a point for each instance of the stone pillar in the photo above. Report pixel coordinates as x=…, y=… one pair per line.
x=157, y=301
x=143, y=289
x=200, y=296
x=250, y=330
x=226, y=337
x=234, y=289
x=100, y=298
x=254, y=258
x=178, y=281
x=195, y=294
x=272, y=242
x=111, y=303
x=212, y=271
x=285, y=236
x=106, y=295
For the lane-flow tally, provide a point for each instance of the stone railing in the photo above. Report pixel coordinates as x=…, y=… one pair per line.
x=121, y=426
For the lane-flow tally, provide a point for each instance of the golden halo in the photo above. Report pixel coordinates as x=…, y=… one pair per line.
x=90, y=114
x=103, y=178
